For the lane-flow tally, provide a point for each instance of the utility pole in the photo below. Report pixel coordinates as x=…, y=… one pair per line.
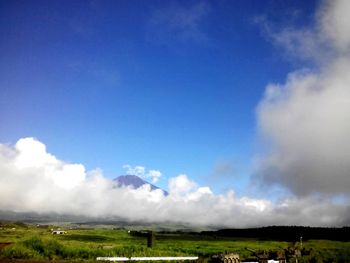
x=150, y=239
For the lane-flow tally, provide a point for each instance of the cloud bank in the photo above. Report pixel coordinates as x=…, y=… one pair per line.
x=33, y=180
x=306, y=121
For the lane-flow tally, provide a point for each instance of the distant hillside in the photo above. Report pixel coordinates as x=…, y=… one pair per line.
x=285, y=233
x=135, y=182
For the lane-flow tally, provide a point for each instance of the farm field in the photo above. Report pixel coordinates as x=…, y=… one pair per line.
x=29, y=242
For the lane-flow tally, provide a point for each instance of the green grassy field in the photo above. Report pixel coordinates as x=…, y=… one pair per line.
x=31, y=242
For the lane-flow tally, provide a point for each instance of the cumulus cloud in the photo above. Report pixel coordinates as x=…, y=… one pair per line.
x=306, y=120
x=32, y=155
x=136, y=170
x=324, y=39
x=140, y=171
x=335, y=23
x=33, y=180
x=181, y=185
x=154, y=174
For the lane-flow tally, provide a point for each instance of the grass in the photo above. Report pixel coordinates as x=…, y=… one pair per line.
x=31, y=242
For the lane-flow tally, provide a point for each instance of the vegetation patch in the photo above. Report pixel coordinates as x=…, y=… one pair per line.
x=87, y=238
x=34, y=243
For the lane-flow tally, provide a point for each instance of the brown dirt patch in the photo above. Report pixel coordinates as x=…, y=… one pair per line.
x=21, y=261
x=5, y=244
x=31, y=261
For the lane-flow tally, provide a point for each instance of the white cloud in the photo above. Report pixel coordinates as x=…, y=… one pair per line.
x=154, y=174
x=39, y=187
x=181, y=185
x=326, y=38
x=136, y=170
x=260, y=205
x=306, y=120
x=335, y=23
x=32, y=155
x=140, y=171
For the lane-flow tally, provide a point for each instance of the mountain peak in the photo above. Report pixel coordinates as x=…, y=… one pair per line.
x=135, y=182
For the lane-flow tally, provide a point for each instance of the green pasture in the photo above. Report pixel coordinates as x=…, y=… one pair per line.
x=31, y=242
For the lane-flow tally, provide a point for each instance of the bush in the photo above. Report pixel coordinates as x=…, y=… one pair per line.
x=35, y=247
x=36, y=244
x=18, y=252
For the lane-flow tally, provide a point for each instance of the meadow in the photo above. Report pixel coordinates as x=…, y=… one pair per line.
x=36, y=243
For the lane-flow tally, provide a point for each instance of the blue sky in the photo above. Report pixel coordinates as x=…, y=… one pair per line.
x=237, y=107
x=169, y=85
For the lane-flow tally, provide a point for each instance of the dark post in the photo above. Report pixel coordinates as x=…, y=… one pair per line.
x=150, y=239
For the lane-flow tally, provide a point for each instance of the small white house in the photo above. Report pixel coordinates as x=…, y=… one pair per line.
x=58, y=232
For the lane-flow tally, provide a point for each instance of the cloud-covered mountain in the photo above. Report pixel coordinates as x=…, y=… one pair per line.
x=135, y=182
